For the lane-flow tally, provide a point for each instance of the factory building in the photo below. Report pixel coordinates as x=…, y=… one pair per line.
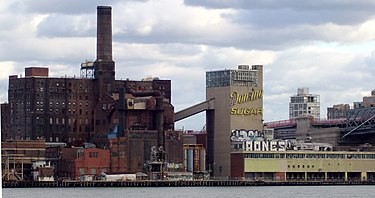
x=129, y=116
x=304, y=103
x=238, y=106
x=304, y=165
x=76, y=162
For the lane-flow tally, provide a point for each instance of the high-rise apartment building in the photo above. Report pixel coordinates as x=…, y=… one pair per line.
x=238, y=110
x=304, y=103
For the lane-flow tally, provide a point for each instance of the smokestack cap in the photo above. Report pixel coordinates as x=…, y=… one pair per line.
x=104, y=9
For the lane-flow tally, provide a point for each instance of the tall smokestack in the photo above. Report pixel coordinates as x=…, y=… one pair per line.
x=104, y=33
x=104, y=66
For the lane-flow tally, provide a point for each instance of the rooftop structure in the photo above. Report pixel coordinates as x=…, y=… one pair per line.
x=304, y=103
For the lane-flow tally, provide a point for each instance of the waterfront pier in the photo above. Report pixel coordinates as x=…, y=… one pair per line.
x=161, y=183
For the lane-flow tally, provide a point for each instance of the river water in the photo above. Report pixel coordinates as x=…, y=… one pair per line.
x=199, y=192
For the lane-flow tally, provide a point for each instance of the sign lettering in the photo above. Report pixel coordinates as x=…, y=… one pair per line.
x=246, y=111
x=237, y=98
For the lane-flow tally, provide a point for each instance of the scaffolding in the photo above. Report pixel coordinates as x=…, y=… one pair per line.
x=12, y=167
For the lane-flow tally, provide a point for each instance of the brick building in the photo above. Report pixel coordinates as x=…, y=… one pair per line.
x=77, y=162
x=138, y=114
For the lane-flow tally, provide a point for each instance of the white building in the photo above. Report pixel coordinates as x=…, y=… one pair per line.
x=304, y=103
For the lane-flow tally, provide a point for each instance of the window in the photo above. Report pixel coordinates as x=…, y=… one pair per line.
x=92, y=171
x=93, y=154
x=81, y=171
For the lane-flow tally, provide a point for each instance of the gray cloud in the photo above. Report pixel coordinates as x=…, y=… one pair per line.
x=278, y=13
x=56, y=25
x=286, y=4
x=58, y=6
x=324, y=45
x=282, y=17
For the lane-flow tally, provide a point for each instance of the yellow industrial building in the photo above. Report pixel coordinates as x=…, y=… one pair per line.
x=303, y=165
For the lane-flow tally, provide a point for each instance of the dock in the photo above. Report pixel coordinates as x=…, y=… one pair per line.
x=164, y=183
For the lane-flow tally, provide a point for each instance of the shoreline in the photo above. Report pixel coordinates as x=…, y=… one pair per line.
x=161, y=183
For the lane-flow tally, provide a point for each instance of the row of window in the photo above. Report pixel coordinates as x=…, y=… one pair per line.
x=70, y=121
x=309, y=156
x=40, y=103
x=94, y=154
x=91, y=171
x=304, y=99
x=300, y=166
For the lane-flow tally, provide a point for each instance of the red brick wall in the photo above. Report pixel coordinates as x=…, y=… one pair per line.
x=36, y=71
x=91, y=158
x=237, y=165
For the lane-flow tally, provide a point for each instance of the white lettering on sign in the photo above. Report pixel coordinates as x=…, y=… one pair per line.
x=267, y=145
x=245, y=135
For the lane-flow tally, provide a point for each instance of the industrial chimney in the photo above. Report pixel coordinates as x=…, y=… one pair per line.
x=104, y=66
x=104, y=34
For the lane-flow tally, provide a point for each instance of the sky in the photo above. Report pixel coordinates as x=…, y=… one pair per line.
x=327, y=46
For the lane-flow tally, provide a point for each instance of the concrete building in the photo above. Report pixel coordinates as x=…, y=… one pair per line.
x=367, y=101
x=304, y=165
x=238, y=105
x=338, y=111
x=304, y=103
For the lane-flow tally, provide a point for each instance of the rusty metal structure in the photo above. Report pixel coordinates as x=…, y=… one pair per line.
x=17, y=158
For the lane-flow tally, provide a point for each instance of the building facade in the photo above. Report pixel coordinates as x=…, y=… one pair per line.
x=238, y=105
x=304, y=103
x=78, y=162
x=367, y=101
x=338, y=111
x=303, y=165
x=95, y=108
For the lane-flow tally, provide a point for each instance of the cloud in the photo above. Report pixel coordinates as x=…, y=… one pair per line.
x=327, y=46
x=338, y=76
x=57, y=6
x=315, y=5
x=55, y=26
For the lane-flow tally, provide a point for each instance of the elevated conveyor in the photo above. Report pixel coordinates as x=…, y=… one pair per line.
x=195, y=109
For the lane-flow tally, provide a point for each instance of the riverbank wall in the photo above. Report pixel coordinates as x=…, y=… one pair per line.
x=152, y=183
